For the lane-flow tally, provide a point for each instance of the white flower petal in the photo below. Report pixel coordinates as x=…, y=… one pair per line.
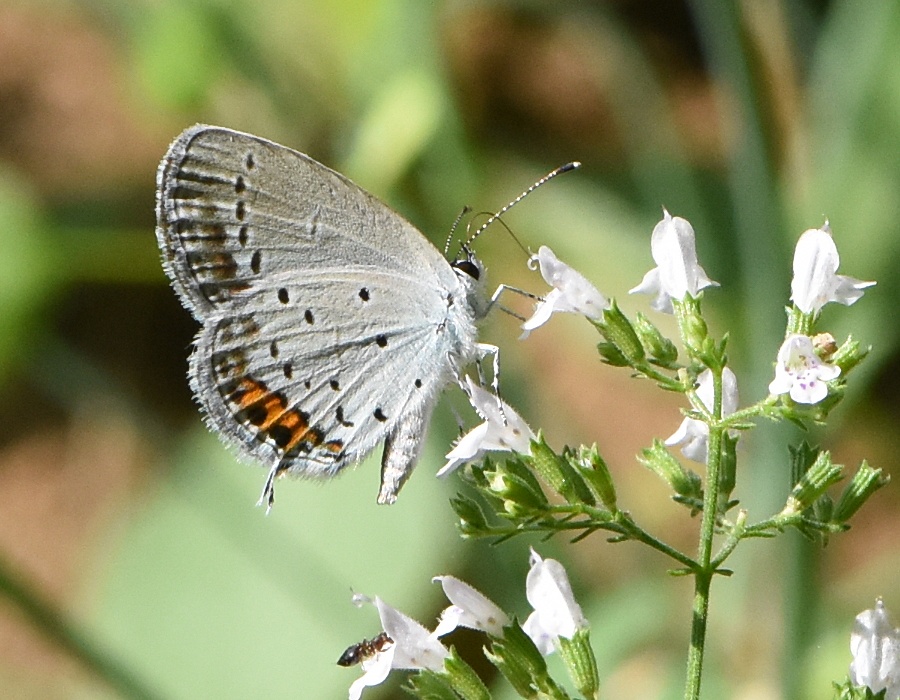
x=815, y=282
x=544, y=641
x=502, y=430
x=800, y=372
x=542, y=312
x=556, y=613
x=414, y=646
x=875, y=645
x=571, y=293
x=466, y=450
x=376, y=670
x=674, y=250
x=692, y=434
x=678, y=271
x=470, y=608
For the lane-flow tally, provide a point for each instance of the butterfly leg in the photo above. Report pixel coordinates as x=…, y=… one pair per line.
x=495, y=299
x=485, y=349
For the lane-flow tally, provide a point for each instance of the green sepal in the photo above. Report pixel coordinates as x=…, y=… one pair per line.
x=596, y=473
x=619, y=332
x=518, y=659
x=813, y=483
x=611, y=355
x=559, y=474
x=849, y=355
x=429, y=685
x=463, y=679
x=472, y=521
x=578, y=656
x=685, y=482
x=660, y=350
x=727, y=471
x=864, y=483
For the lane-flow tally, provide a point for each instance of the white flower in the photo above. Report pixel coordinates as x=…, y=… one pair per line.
x=414, y=647
x=875, y=645
x=815, y=281
x=678, y=272
x=692, y=434
x=556, y=614
x=503, y=429
x=571, y=292
x=470, y=608
x=799, y=371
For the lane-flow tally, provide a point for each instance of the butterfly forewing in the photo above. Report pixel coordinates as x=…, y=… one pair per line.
x=226, y=200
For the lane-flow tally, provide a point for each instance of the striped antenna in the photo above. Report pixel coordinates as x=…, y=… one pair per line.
x=549, y=176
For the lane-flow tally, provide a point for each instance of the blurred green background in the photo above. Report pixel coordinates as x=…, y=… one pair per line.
x=753, y=120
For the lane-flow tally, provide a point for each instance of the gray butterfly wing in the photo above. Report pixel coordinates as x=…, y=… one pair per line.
x=329, y=322
x=233, y=208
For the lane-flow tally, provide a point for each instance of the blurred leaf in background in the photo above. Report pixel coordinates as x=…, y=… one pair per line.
x=754, y=120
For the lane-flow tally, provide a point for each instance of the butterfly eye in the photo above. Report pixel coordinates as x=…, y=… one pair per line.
x=467, y=266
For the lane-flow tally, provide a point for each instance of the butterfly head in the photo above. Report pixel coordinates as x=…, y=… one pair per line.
x=470, y=273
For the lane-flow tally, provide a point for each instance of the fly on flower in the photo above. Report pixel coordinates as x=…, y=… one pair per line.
x=366, y=649
x=411, y=647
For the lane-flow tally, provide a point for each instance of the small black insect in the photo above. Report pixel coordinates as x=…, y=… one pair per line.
x=366, y=649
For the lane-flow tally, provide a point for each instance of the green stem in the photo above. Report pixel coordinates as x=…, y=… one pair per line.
x=622, y=523
x=53, y=625
x=660, y=378
x=635, y=532
x=704, y=571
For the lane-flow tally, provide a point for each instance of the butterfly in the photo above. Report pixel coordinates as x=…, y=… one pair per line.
x=329, y=323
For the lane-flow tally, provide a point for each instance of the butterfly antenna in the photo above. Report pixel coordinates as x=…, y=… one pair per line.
x=465, y=210
x=494, y=217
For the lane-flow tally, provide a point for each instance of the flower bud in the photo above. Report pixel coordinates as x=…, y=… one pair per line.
x=694, y=331
x=519, y=497
x=580, y=662
x=849, y=354
x=864, y=483
x=822, y=474
x=660, y=349
x=559, y=474
x=617, y=329
x=683, y=481
x=596, y=473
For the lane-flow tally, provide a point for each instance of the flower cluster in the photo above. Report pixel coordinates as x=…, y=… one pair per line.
x=556, y=619
x=538, y=490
